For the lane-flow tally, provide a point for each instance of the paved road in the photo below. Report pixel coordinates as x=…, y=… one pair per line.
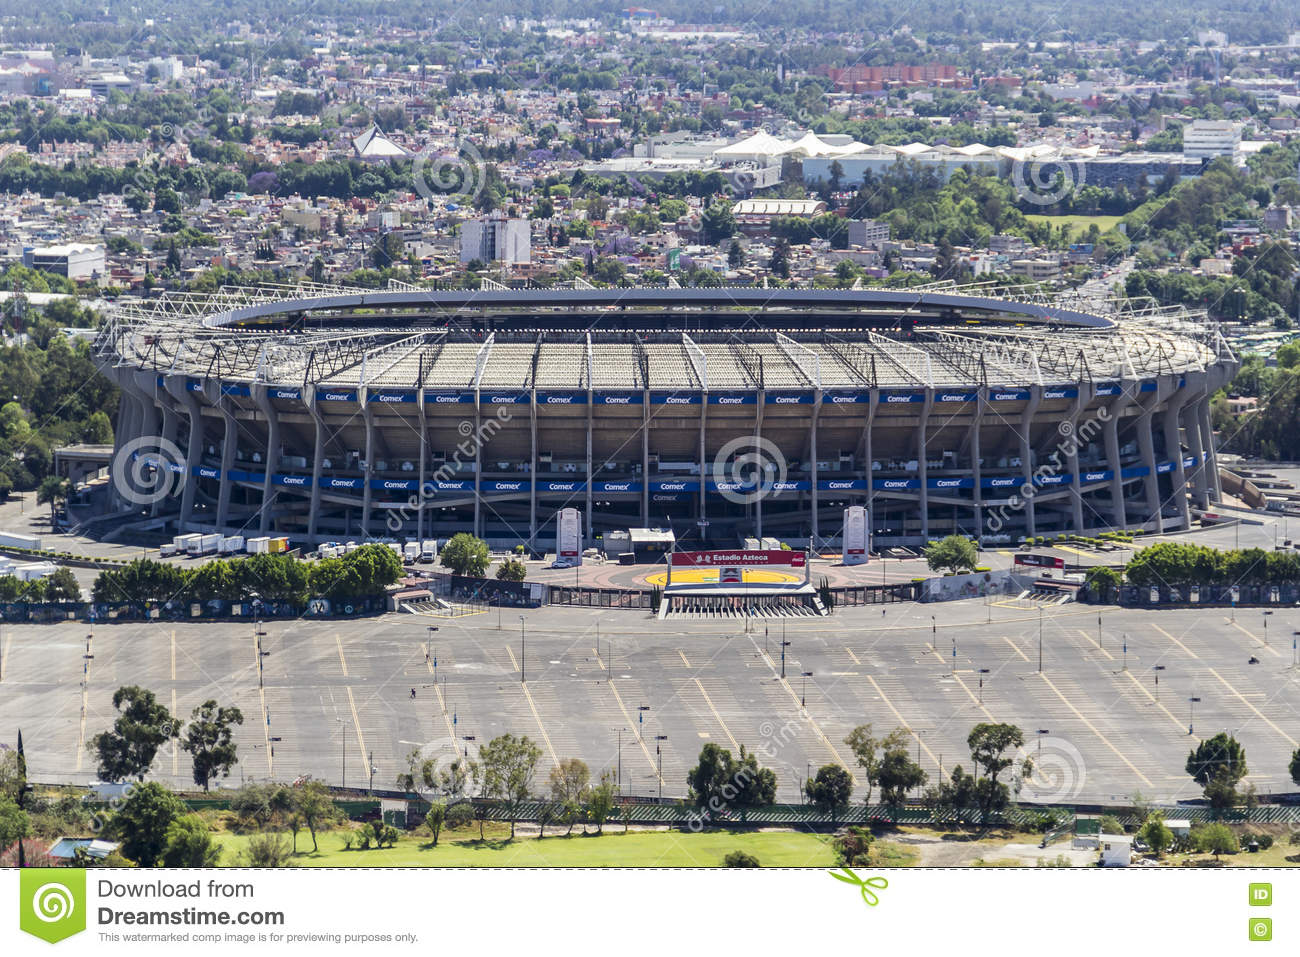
x=333, y=691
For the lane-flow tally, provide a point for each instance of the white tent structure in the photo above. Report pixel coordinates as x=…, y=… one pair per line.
x=374, y=145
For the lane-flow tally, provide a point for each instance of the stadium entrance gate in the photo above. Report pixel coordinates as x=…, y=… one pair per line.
x=739, y=583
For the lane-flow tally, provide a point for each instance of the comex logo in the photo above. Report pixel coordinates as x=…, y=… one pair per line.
x=147, y=469
x=52, y=904
x=747, y=467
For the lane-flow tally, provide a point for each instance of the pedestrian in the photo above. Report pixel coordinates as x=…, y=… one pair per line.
x=412, y=692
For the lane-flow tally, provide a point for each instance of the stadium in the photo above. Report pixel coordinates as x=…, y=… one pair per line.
x=723, y=414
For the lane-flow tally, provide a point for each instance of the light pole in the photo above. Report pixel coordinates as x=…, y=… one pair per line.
x=523, y=651
x=1126, y=651
x=983, y=672
x=432, y=651
x=1191, y=714
x=784, y=643
x=371, y=789
x=619, y=776
x=1042, y=732
x=1099, y=632
x=640, y=720
x=1040, y=639
x=1157, y=669
x=343, y=734
x=803, y=692
x=659, y=739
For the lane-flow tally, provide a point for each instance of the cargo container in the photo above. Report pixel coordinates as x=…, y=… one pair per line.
x=209, y=544
x=33, y=570
x=257, y=546
x=179, y=541
x=278, y=544
x=328, y=551
x=231, y=544
x=19, y=540
x=192, y=543
x=168, y=550
x=397, y=549
x=350, y=547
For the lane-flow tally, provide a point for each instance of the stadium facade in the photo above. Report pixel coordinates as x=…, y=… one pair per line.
x=325, y=413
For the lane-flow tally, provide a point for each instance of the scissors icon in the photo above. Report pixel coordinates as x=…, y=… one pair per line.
x=865, y=885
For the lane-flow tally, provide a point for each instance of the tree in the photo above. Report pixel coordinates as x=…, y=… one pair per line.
x=600, y=801
x=735, y=254
x=1217, y=765
x=717, y=223
x=720, y=782
x=142, y=820
x=52, y=490
x=260, y=803
x=740, y=859
x=62, y=586
x=830, y=790
x=509, y=764
x=209, y=740
x=1103, y=582
x=465, y=555
x=139, y=731
x=14, y=824
x=512, y=570
x=780, y=262
x=12, y=775
x=954, y=553
x=989, y=744
x=866, y=750
x=569, y=780
x=1155, y=833
x=1294, y=766
x=853, y=847
x=896, y=772
x=436, y=818
x=189, y=843
x=459, y=815
x=1215, y=839
x=312, y=801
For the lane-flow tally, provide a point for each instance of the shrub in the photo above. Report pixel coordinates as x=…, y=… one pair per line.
x=740, y=859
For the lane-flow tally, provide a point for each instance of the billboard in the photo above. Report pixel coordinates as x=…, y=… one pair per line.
x=568, y=535
x=1039, y=561
x=741, y=557
x=854, y=538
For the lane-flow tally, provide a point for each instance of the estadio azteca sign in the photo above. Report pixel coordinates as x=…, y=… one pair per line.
x=790, y=559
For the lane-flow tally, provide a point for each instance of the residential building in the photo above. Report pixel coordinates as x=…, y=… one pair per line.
x=495, y=238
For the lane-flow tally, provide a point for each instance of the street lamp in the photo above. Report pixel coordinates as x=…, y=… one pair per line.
x=1040, y=639
x=640, y=719
x=659, y=738
x=1157, y=669
x=523, y=651
x=343, y=733
x=1041, y=733
x=784, y=644
x=1191, y=714
x=432, y=651
x=373, y=771
x=983, y=672
x=803, y=692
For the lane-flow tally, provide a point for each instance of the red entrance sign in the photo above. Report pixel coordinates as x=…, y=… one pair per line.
x=1039, y=561
x=790, y=559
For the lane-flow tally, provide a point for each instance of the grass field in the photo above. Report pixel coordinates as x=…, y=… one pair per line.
x=1078, y=224
x=613, y=849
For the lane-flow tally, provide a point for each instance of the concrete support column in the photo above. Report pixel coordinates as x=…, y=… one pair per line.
x=420, y=497
x=229, y=444
x=270, y=458
x=178, y=388
x=1110, y=433
x=1070, y=445
x=478, y=467
x=1213, y=486
x=1174, y=454
x=645, y=459
x=704, y=415
x=532, y=468
x=922, y=466
x=1150, y=484
x=1027, y=457
x=758, y=440
x=1192, y=426
x=316, y=465
x=368, y=472
x=977, y=471
x=815, y=474
x=587, y=533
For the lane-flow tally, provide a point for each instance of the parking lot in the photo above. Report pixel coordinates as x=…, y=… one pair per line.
x=1103, y=721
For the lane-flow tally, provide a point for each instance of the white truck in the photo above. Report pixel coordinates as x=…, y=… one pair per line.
x=257, y=546
x=19, y=540
x=209, y=544
x=191, y=544
x=429, y=550
x=231, y=544
x=411, y=551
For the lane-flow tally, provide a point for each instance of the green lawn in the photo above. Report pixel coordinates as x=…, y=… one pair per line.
x=1078, y=224
x=613, y=849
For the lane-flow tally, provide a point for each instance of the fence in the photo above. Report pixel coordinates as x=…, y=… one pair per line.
x=1149, y=596
x=184, y=610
